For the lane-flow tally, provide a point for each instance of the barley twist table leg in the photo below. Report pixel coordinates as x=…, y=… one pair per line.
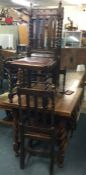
x=62, y=142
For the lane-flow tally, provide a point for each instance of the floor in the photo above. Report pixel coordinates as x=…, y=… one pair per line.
x=75, y=157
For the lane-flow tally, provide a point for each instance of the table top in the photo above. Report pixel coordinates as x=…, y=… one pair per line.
x=39, y=53
x=64, y=104
x=9, y=50
x=73, y=80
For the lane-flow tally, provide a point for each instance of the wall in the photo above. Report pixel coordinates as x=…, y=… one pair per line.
x=77, y=15
x=10, y=29
x=23, y=33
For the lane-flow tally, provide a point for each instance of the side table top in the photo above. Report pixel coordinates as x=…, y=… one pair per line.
x=34, y=62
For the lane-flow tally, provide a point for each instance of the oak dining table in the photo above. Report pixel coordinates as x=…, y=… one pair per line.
x=67, y=108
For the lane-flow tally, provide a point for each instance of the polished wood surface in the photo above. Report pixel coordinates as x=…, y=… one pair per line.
x=74, y=80
x=64, y=104
x=33, y=62
x=66, y=110
x=8, y=53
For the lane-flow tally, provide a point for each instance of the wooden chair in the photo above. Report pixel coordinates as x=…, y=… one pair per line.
x=45, y=36
x=37, y=122
x=45, y=30
x=7, y=120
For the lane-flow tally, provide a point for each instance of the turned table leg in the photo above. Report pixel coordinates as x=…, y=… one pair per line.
x=62, y=142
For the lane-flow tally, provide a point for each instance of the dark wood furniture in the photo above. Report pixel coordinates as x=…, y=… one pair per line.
x=66, y=111
x=45, y=35
x=8, y=53
x=71, y=57
x=37, y=125
x=1, y=72
x=45, y=29
x=42, y=68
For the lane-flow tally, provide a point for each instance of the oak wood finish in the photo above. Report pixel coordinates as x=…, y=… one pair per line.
x=33, y=63
x=41, y=68
x=8, y=53
x=65, y=110
x=35, y=125
x=64, y=103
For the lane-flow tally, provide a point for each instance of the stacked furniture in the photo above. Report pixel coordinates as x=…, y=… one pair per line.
x=39, y=111
x=44, y=49
x=40, y=69
x=38, y=77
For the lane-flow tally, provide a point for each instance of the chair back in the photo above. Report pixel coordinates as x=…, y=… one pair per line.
x=38, y=126
x=45, y=28
x=38, y=107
